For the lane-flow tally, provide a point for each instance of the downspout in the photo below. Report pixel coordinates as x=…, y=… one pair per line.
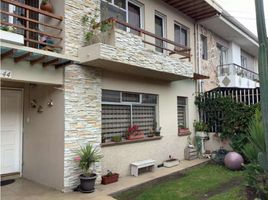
x=197, y=56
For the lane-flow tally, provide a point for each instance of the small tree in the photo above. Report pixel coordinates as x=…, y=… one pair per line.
x=87, y=157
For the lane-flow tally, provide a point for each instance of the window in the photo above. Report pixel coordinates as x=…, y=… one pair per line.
x=159, y=31
x=204, y=47
x=182, y=111
x=181, y=34
x=113, y=9
x=222, y=54
x=123, y=109
x=135, y=11
x=126, y=11
x=244, y=62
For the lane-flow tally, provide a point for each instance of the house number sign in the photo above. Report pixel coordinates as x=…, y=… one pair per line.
x=5, y=73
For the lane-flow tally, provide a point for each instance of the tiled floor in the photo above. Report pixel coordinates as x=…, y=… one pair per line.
x=23, y=189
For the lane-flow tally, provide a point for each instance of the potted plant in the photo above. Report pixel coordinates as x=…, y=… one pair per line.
x=46, y=6
x=87, y=156
x=183, y=130
x=110, y=177
x=171, y=162
x=117, y=138
x=103, y=139
x=8, y=34
x=157, y=131
x=134, y=133
x=201, y=129
x=151, y=133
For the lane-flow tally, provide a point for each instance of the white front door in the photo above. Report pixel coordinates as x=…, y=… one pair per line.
x=11, y=131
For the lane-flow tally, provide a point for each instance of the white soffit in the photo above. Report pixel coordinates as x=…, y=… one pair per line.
x=228, y=31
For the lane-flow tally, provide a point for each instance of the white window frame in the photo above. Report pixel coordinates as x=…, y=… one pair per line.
x=187, y=31
x=131, y=104
x=244, y=60
x=136, y=3
x=186, y=111
x=164, y=23
x=202, y=39
x=141, y=6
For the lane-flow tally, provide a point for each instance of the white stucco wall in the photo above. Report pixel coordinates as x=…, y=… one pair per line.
x=43, y=134
x=117, y=158
x=235, y=54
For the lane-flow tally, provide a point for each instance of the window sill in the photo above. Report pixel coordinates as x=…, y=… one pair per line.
x=107, y=144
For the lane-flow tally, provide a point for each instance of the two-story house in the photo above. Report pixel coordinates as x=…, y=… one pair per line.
x=59, y=92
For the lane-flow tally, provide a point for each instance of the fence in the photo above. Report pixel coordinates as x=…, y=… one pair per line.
x=248, y=96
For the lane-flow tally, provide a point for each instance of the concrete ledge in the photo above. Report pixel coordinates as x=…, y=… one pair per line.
x=131, y=141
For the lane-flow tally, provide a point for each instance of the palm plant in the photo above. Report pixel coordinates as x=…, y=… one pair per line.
x=256, y=173
x=88, y=156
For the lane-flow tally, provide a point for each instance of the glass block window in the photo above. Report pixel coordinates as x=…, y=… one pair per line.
x=123, y=109
x=182, y=111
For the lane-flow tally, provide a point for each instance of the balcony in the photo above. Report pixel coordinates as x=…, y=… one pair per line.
x=135, y=51
x=233, y=75
x=29, y=26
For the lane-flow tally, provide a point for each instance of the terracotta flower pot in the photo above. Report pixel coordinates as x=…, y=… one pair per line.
x=109, y=179
x=46, y=7
x=135, y=137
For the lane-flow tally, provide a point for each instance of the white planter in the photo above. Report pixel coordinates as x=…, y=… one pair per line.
x=10, y=37
x=171, y=163
x=201, y=134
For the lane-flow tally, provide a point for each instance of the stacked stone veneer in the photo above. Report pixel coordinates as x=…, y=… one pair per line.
x=129, y=49
x=82, y=117
x=209, y=66
x=82, y=94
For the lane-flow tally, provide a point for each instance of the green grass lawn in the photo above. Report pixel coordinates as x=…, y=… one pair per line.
x=209, y=181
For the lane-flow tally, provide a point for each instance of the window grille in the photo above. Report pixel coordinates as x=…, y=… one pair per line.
x=123, y=109
x=115, y=119
x=181, y=111
x=144, y=117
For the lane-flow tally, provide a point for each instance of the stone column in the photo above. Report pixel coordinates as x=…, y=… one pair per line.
x=82, y=94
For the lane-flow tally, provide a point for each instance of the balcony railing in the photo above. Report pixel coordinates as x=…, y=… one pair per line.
x=234, y=69
x=28, y=21
x=168, y=45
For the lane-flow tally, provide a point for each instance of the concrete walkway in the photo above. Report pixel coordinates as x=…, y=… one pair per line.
x=23, y=189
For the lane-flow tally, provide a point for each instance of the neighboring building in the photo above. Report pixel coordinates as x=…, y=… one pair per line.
x=228, y=53
x=58, y=92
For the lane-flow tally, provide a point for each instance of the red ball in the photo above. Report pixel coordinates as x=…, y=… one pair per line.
x=233, y=160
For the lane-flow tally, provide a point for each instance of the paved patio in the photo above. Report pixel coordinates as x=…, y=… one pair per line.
x=24, y=189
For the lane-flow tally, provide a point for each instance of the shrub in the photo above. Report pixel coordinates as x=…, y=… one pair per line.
x=230, y=117
x=256, y=170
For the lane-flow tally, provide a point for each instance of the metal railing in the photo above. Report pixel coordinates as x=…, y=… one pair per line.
x=27, y=23
x=168, y=45
x=234, y=69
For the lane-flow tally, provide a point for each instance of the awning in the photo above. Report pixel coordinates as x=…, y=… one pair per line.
x=35, y=56
x=197, y=9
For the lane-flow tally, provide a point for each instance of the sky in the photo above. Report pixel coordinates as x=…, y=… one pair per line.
x=244, y=12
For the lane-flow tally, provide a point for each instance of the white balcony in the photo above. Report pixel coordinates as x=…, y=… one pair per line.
x=232, y=75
